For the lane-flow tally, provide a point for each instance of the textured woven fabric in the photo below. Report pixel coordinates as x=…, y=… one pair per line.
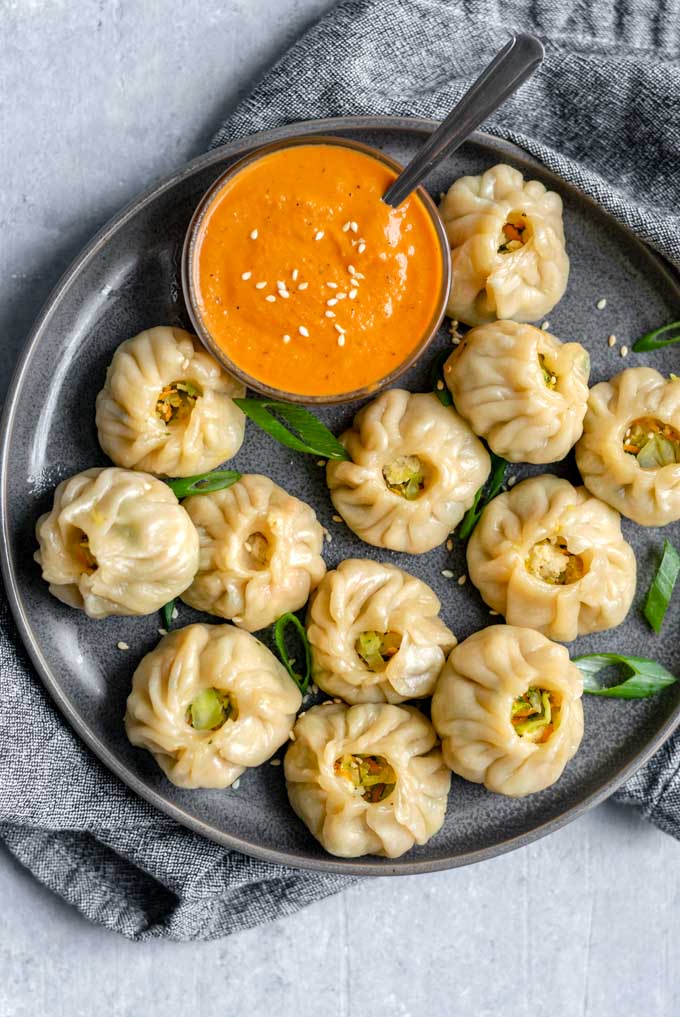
x=604, y=112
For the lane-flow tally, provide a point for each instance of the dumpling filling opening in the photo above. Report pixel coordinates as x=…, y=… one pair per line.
x=653, y=443
x=210, y=709
x=405, y=476
x=376, y=649
x=177, y=400
x=257, y=551
x=536, y=714
x=514, y=234
x=549, y=376
x=373, y=774
x=551, y=561
x=83, y=553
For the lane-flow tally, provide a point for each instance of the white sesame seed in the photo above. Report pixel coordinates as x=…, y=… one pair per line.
x=332, y=302
x=303, y=331
x=353, y=294
x=294, y=274
x=122, y=646
x=280, y=284
x=462, y=580
x=284, y=294
x=440, y=385
x=341, y=296
x=292, y=736
x=354, y=227
x=361, y=248
x=319, y=235
x=254, y=234
x=545, y=326
x=321, y=462
x=303, y=286
x=601, y=304
x=286, y=339
x=332, y=285
x=624, y=351
x=260, y=285
x=330, y=314
x=351, y=269
x=175, y=614
x=449, y=545
x=162, y=632
x=327, y=536
x=338, y=328
x=346, y=227
x=447, y=573
x=341, y=340
x=275, y=762
x=494, y=613
x=270, y=298
x=336, y=519
x=246, y=275
x=358, y=275
x=236, y=783
x=512, y=481
x=611, y=340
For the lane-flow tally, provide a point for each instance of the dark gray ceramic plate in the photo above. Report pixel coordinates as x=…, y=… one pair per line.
x=128, y=280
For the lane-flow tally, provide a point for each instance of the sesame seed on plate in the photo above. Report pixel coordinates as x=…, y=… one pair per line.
x=354, y=227
x=303, y=331
x=162, y=632
x=512, y=481
x=175, y=614
x=449, y=545
x=341, y=340
x=330, y=314
x=246, y=275
x=447, y=573
x=260, y=285
x=294, y=274
x=303, y=286
x=624, y=351
x=275, y=762
x=440, y=385
x=286, y=339
x=321, y=462
x=494, y=613
x=611, y=341
x=254, y=234
x=122, y=646
x=601, y=304
x=319, y=235
x=346, y=227
x=271, y=298
x=236, y=783
x=336, y=519
x=332, y=285
x=339, y=328
x=545, y=326
x=353, y=294
x=332, y=302
x=462, y=580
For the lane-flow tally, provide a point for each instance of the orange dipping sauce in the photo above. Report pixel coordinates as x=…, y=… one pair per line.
x=307, y=281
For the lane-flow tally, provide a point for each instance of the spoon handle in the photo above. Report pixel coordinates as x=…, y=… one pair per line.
x=509, y=69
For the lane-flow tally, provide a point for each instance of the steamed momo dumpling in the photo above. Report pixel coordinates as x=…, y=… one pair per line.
x=366, y=779
x=166, y=406
x=521, y=389
x=629, y=454
x=116, y=542
x=414, y=470
x=208, y=702
x=508, y=710
x=260, y=552
x=552, y=556
x=507, y=247
x=375, y=634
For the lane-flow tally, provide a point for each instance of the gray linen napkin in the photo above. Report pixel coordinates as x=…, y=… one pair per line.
x=604, y=113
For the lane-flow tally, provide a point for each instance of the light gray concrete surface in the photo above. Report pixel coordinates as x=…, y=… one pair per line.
x=98, y=99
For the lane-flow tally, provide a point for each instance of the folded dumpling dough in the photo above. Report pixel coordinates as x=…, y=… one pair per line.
x=508, y=710
x=521, y=389
x=629, y=454
x=366, y=779
x=414, y=470
x=552, y=556
x=260, y=552
x=208, y=702
x=166, y=406
x=375, y=634
x=507, y=247
x=116, y=542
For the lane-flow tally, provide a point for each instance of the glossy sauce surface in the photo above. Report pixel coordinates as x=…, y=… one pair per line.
x=307, y=280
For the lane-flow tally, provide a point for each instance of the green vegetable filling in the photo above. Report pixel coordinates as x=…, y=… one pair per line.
x=209, y=710
x=377, y=648
x=652, y=442
x=177, y=400
x=551, y=561
x=405, y=476
x=514, y=231
x=549, y=377
x=535, y=715
x=373, y=773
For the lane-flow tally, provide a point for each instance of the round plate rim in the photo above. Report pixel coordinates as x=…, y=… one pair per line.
x=416, y=125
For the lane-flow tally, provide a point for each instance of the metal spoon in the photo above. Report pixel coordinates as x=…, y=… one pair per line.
x=509, y=69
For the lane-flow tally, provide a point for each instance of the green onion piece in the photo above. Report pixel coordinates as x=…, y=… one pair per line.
x=166, y=614
x=483, y=496
x=644, y=677
x=312, y=436
x=661, y=590
x=301, y=680
x=209, y=710
x=437, y=378
x=658, y=338
x=203, y=483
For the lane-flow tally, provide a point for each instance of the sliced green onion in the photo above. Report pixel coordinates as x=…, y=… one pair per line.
x=312, y=436
x=437, y=382
x=203, y=483
x=641, y=677
x=661, y=590
x=658, y=338
x=167, y=612
x=484, y=495
x=209, y=710
x=286, y=620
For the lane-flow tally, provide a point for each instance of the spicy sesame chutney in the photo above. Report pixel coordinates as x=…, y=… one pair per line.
x=308, y=283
